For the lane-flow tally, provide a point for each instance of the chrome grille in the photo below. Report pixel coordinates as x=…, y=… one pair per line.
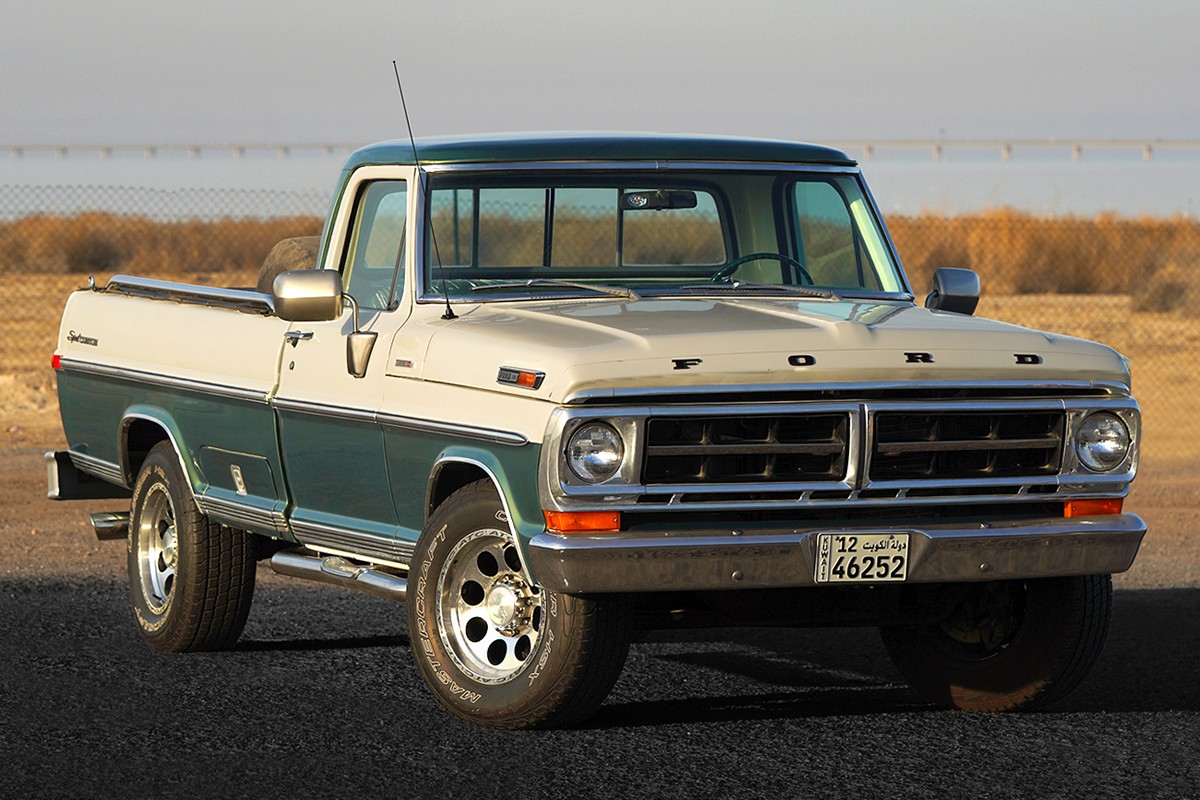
x=746, y=449
x=969, y=444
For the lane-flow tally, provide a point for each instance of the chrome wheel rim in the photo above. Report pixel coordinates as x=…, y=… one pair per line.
x=489, y=614
x=157, y=549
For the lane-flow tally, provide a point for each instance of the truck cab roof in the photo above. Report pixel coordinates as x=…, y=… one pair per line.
x=579, y=146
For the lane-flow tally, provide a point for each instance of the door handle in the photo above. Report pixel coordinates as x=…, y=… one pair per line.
x=294, y=337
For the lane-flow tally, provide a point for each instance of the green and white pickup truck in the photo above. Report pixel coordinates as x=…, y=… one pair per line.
x=548, y=391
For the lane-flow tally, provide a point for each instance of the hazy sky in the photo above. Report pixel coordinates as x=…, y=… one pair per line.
x=242, y=71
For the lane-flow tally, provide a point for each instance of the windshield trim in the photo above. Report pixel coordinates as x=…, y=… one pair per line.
x=429, y=292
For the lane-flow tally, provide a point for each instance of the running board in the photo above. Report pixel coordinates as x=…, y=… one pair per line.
x=340, y=572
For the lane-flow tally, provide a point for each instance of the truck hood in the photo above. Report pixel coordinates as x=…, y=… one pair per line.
x=598, y=347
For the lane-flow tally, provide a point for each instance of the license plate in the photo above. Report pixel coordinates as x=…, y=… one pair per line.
x=861, y=557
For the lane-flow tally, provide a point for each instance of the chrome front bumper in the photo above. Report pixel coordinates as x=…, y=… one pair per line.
x=667, y=561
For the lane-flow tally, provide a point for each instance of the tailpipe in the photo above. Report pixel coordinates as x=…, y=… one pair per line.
x=340, y=572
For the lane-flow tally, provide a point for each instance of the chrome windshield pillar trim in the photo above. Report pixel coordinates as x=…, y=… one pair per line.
x=166, y=381
x=647, y=561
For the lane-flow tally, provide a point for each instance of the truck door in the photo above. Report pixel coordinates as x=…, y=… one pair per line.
x=332, y=445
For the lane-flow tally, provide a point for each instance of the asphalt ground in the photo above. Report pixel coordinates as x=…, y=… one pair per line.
x=321, y=698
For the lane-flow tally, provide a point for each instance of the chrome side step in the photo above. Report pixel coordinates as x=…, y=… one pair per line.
x=340, y=572
x=110, y=524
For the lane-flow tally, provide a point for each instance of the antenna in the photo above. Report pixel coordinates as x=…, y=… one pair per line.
x=449, y=314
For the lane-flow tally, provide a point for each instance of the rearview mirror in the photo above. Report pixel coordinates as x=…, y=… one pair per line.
x=308, y=295
x=954, y=290
x=658, y=199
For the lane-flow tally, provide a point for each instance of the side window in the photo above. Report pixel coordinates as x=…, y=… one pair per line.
x=373, y=272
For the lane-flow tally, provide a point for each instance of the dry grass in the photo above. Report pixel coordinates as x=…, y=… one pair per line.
x=106, y=243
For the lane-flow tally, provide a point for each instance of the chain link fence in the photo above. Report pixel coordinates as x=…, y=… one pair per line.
x=1130, y=283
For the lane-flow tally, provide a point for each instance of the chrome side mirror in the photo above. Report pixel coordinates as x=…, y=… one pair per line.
x=954, y=290
x=308, y=295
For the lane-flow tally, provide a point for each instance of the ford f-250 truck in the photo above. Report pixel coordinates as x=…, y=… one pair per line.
x=550, y=390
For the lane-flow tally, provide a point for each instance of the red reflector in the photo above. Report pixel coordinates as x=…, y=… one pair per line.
x=1092, y=508
x=583, y=521
x=56, y=362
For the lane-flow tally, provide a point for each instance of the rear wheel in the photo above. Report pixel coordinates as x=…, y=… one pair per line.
x=493, y=647
x=1006, y=646
x=190, y=581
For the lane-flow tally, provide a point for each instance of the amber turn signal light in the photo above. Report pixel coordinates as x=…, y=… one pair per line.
x=583, y=521
x=1092, y=508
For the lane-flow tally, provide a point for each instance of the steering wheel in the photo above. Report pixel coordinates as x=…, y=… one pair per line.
x=728, y=269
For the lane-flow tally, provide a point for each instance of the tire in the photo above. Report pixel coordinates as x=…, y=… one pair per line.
x=1006, y=646
x=495, y=649
x=190, y=581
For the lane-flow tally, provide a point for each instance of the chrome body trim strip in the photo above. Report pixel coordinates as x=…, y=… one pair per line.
x=846, y=390
x=647, y=561
x=454, y=429
x=105, y=470
x=167, y=381
x=328, y=537
x=399, y=421
x=522, y=548
x=324, y=410
x=152, y=289
x=240, y=515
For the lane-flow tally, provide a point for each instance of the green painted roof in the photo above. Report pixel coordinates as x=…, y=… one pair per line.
x=510, y=147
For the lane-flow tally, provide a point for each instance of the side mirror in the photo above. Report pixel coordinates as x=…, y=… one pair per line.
x=954, y=290
x=308, y=295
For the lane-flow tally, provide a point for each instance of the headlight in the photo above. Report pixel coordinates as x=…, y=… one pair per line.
x=1102, y=442
x=595, y=452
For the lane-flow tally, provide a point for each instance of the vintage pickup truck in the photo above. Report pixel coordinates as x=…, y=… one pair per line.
x=548, y=391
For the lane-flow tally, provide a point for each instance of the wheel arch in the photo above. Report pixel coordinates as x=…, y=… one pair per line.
x=454, y=469
x=143, y=427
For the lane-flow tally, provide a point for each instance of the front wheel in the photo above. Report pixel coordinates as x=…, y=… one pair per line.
x=493, y=647
x=190, y=581
x=1006, y=646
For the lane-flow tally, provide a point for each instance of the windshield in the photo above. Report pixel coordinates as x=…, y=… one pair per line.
x=501, y=235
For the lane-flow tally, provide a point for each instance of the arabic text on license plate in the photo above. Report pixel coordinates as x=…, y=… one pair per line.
x=861, y=557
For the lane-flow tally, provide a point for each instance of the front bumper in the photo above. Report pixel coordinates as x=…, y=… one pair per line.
x=939, y=553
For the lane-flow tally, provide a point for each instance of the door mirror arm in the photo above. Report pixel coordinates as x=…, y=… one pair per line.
x=359, y=343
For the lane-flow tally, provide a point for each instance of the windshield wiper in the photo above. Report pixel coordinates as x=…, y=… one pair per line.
x=807, y=291
x=616, y=291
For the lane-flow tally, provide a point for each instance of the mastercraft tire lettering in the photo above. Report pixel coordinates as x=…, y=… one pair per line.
x=494, y=648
